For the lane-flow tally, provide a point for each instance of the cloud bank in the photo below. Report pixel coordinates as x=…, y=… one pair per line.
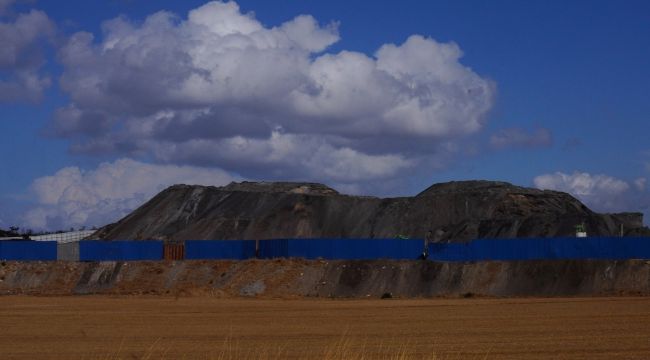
x=600, y=192
x=219, y=89
x=21, y=57
x=216, y=95
x=73, y=197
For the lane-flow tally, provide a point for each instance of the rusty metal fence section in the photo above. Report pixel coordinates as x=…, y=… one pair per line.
x=174, y=251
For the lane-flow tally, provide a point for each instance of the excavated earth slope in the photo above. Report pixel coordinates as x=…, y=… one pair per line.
x=455, y=211
x=300, y=278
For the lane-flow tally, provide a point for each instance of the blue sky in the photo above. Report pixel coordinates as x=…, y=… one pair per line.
x=562, y=100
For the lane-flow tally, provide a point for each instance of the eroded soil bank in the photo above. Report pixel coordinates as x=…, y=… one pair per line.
x=287, y=278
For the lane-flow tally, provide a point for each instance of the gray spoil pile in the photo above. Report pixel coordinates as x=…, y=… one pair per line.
x=456, y=211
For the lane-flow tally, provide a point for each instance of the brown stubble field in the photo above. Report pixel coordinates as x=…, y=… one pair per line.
x=141, y=327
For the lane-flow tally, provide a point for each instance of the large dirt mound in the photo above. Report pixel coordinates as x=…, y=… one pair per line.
x=455, y=211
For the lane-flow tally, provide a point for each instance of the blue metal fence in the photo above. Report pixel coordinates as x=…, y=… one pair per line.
x=608, y=248
x=342, y=248
x=28, y=250
x=611, y=248
x=219, y=249
x=120, y=250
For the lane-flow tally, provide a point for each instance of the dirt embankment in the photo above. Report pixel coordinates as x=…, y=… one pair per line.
x=301, y=278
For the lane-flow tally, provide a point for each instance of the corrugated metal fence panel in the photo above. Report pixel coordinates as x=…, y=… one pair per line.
x=296, y=248
x=174, y=251
x=342, y=248
x=357, y=249
x=642, y=250
x=67, y=251
x=28, y=250
x=377, y=248
x=606, y=248
x=312, y=248
x=274, y=248
x=400, y=248
x=120, y=250
x=219, y=249
x=628, y=248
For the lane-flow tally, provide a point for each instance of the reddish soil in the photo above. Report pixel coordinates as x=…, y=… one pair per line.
x=295, y=278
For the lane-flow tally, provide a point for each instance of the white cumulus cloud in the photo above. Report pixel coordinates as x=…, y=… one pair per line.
x=76, y=197
x=218, y=88
x=600, y=192
x=21, y=55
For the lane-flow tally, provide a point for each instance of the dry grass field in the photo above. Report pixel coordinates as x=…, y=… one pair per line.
x=102, y=327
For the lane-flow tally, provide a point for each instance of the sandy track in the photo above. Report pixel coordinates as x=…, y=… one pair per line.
x=100, y=327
